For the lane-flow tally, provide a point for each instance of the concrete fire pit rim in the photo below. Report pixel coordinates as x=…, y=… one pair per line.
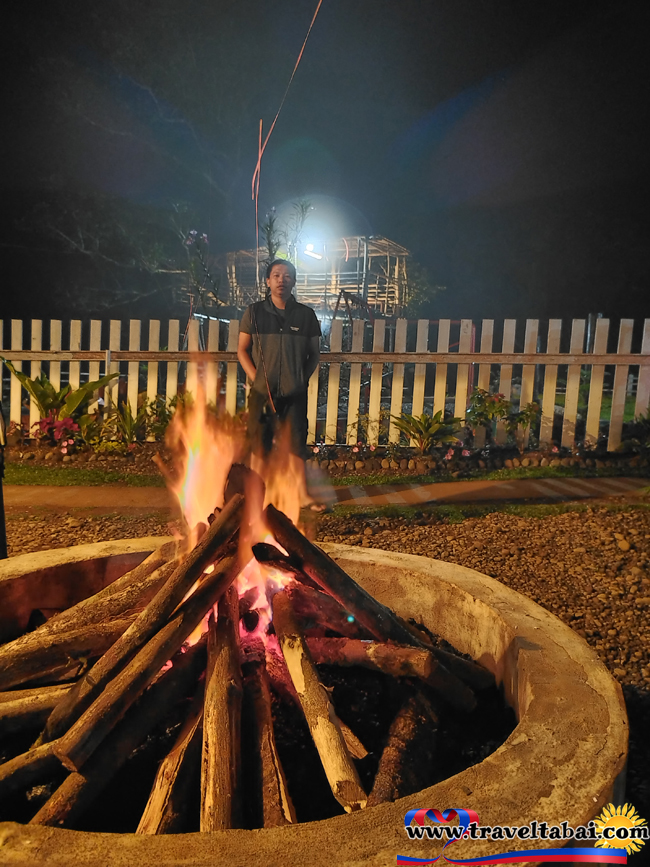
x=375, y=836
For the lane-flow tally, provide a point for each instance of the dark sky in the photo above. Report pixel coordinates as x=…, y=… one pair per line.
x=502, y=142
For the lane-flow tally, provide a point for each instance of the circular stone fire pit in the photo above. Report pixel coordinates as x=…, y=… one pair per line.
x=563, y=762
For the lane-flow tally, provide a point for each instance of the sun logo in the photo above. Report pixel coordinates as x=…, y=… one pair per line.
x=621, y=828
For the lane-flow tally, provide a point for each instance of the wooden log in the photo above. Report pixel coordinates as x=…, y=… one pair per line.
x=34, y=766
x=59, y=651
x=319, y=612
x=276, y=803
x=352, y=742
x=397, y=660
x=77, y=745
x=380, y=621
x=405, y=764
x=166, y=808
x=79, y=790
x=319, y=713
x=25, y=709
x=221, y=756
x=95, y=612
x=148, y=622
x=269, y=555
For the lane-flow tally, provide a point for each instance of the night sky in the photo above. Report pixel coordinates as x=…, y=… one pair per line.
x=503, y=142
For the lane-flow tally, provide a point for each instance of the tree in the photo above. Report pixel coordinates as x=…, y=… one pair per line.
x=421, y=292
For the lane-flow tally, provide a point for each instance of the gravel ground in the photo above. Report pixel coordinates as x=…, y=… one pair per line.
x=591, y=568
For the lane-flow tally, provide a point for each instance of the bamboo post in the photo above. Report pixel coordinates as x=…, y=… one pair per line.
x=333, y=381
x=231, y=368
x=354, y=391
x=487, y=335
x=440, y=387
x=619, y=389
x=93, y=366
x=505, y=380
x=397, y=385
x=376, y=378
x=642, y=405
x=420, y=376
x=596, y=381
x=221, y=758
x=528, y=374
x=319, y=713
x=28, y=768
x=573, y=384
x=550, y=383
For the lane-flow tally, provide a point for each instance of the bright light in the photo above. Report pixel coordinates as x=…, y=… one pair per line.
x=313, y=255
x=309, y=247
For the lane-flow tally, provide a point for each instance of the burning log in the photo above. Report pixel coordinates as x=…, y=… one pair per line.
x=221, y=758
x=323, y=612
x=394, y=659
x=319, y=713
x=269, y=555
x=25, y=709
x=407, y=754
x=148, y=623
x=277, y=806
x=59, y=651
x=78, y=791
x=77, y=745
x=371, y=614
x=165, y=808
x=28, y=768
x=94, y=613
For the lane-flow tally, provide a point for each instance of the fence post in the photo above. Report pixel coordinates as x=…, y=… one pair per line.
x=74, y=371
x=596, y=383
x=642, y=406
x=55, y=346
x=487, y=336
x=550, y=382
x=333, y=382
x=505, y=380
x=152, y=368
x=212, y=372
x=397, y=388
x=113, y=387
x=35, y=367
x=192, y=376
x=354, y=393
x=619, y=390
x=573, y=384
x=374, y=404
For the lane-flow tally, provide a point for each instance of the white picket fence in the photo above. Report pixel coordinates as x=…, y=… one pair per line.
x=368, y=369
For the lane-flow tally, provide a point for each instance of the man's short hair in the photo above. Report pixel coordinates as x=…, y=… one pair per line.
x=289, y=265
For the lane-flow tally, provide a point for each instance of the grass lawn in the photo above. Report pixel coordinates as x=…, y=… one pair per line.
x=24, y=474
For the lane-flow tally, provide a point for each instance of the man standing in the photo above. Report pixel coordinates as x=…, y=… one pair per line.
x=279, y=350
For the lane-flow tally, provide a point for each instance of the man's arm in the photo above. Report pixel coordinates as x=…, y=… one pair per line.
x=313, y=358
x=244, y=348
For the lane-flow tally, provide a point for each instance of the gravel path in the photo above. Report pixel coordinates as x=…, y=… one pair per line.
x=591, y=568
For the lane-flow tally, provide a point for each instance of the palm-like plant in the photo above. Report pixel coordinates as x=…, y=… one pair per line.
x=427, y=431
x=50, y=402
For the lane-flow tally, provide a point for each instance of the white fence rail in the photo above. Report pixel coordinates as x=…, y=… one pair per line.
x=368, y=371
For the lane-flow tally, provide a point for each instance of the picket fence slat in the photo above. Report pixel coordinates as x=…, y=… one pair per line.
x=15, y=394
x=440, y=385
x=397, y=388
x=35, y=368
x=333, y=384
x=354, y=393
x=505, y=381
x=642, y=406
x=550, y=383
x=620, y=386
x=573, y=384
x=527, y=394
x=374, y=403
x=596, y=383
x=184, y=366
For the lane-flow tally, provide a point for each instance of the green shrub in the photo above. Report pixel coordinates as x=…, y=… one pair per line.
x=427, y=431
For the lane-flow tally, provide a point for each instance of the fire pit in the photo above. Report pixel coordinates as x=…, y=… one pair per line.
x=563, y=761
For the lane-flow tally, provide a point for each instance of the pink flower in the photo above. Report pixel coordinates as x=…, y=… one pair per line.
x=372, y=448
x=465, y=453
x=449, y=455
x=64, y=451
x=315, y=450
x=70, y=442
x=355, y=449
x=555, y=449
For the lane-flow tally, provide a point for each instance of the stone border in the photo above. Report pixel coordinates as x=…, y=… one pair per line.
x=563, y=762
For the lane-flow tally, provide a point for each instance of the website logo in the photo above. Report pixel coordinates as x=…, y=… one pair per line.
x=617, y=832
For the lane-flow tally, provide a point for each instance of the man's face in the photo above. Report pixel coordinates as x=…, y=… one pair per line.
x=280, y=282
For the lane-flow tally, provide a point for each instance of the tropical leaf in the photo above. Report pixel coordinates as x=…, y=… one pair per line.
x=427, y=431
x=77, y=397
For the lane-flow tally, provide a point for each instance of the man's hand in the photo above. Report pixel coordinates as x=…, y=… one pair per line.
x=244, y=348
